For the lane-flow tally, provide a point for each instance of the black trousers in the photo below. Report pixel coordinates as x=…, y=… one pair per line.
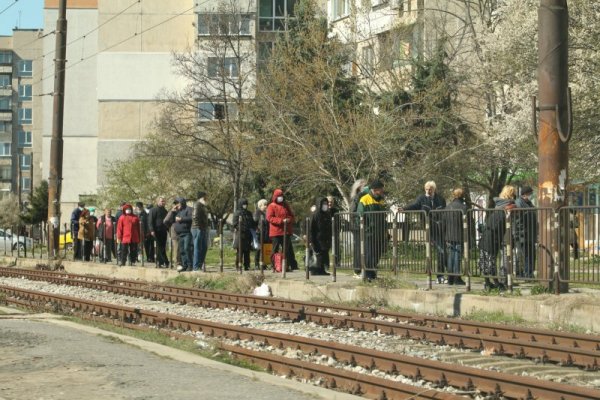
x=129, y=250
x=149, y=248
x=77, y=247
x=161, y=248
x=289, y=253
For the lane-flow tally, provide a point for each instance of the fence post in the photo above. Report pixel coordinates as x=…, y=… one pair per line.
x=65, y=240
x=238, y=256
x=32, y=242
x=221, y=245
x=363, y=261
x=17, y=244
x=284, y=258
x=262, y=242
x=428, y=258
x=466, y=250
x=142, y=239
x=395, y=245
x=509, y=257
x=307, y=248
x=334, y=255
x=559, y=245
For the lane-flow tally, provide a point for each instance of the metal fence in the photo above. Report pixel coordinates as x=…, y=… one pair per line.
x=499, y=246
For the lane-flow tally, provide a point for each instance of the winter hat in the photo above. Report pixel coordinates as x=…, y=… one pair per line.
x=526, y=190
x=200, y=195
x=139, y=205
x=376, y=184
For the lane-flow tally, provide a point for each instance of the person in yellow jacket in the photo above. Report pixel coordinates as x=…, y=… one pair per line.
x=87, y=233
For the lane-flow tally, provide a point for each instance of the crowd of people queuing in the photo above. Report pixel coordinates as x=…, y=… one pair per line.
x=273, y=222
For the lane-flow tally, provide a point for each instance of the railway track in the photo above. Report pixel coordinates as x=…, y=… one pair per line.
x=441, y=375
x=562, y=348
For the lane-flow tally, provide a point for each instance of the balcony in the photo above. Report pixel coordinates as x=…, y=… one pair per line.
x=5, y=91
x=6, y=115
x=6, y=69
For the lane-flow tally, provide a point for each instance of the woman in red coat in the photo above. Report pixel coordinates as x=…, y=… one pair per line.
x=280, y=215
x=128, y=235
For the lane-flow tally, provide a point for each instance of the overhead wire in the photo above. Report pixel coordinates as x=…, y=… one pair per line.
x=8, y=7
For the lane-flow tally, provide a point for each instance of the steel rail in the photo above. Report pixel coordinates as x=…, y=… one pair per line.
x=443, y=331
x=442, y=374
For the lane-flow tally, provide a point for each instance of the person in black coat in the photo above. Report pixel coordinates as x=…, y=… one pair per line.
x=320, y=236
x=453, y=224
x=428, y=202
x=243, y=224
x=158, y=230
x=525, y=233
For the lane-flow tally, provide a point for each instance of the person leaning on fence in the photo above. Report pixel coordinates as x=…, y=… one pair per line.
x=428, y=201
x=453, y=223
x=183, y=229
x=86, y=233
x=372, y=207
x=493, y=239
x=243, y=225
x=280, y=215
x=158, y=231
x=128, y=235
x=260, y=218
x=75, y=230
x=525, y=231
x=105, y=232
x=320, y=237
x=358, y=190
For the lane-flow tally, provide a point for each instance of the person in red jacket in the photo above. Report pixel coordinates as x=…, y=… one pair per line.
x=279, y=214
x=128, y=235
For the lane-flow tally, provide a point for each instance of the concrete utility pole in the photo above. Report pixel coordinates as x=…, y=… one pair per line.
x=555, y=122
x=56, y=146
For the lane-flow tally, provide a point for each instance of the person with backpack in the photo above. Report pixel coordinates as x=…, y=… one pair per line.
x=281, y=227
x=105, y=232
x=493, y=239
x=372, y=208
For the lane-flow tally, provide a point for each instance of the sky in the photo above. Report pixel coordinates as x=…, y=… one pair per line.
x=25, y=14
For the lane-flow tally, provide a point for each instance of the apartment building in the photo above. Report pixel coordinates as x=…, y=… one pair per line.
x=119, y=56
x=20, y=113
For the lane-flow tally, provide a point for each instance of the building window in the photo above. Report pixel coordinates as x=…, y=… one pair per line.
x=25, y=93
x=216, y=111
x=340, y=8
x=219, y=66
x=25, y=184
x=265, y=49
x=5, y=81
x=25, y=116
x=6, y=57
x=5, y=127
x=5, y=103
x=5, y=173
x=272, y=14
x=395, y=50
x=25, y=68
x=25, y=162
x=368, y=60
x=25, y=139
x=223, y=24
x=5, y=149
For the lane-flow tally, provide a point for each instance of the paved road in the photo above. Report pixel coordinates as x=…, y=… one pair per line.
x=45, y=358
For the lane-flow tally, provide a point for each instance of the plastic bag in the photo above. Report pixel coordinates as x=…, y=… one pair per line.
x=255, y=242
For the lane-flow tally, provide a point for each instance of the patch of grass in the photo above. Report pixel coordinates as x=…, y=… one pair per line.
x=388, y=282
x=539, y=289
x=572, y=328
x=496, y=317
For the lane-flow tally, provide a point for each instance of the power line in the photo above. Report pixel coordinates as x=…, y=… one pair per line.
x=8, y=6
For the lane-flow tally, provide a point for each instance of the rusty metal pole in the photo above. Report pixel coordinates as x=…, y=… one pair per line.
x=56, y=146
x=555, y=122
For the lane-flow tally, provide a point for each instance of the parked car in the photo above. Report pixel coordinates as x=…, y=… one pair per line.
x=9, y=241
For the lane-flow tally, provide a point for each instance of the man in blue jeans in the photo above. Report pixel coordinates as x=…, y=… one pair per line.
x=200, y=231
x=183, y=223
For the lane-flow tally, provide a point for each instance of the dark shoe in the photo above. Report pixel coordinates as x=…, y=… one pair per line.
x=459, y=281
x=450, y=280
x=487, y=285
x=500, y=286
